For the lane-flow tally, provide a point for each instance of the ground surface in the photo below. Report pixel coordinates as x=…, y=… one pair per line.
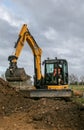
x=20, y=113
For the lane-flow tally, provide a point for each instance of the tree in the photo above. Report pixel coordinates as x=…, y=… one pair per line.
x=73, y=79
x=82, y=80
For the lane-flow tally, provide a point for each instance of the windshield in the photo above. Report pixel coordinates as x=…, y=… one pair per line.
x=56, y=73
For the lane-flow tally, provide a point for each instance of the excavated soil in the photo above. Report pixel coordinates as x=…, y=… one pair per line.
x=20, y=113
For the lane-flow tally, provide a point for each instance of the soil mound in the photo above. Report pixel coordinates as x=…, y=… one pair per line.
x=42, y=114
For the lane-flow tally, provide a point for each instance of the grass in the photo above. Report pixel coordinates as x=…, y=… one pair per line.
x=79, y=88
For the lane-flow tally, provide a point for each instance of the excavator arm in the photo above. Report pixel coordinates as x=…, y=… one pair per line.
x=25, y=35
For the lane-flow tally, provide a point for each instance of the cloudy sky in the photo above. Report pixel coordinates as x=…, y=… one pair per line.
x=56, y=25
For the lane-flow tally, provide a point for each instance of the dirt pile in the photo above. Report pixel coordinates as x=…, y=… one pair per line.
x=44, y=114
x=11, y=100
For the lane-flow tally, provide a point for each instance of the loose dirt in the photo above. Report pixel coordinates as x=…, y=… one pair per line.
x=20, y=113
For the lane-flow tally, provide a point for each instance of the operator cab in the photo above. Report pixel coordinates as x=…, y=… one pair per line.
x=56, y=72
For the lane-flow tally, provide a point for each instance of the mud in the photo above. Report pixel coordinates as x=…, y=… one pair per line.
x=20, y=113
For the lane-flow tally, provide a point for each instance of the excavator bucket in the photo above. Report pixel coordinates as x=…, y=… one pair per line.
x=18, y=75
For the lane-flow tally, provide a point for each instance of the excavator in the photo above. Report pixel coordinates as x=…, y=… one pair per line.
x=54, y=83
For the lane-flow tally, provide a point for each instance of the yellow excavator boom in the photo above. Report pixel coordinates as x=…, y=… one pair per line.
x=25, y=35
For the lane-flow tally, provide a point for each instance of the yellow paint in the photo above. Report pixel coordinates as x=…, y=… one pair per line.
x=58, y=87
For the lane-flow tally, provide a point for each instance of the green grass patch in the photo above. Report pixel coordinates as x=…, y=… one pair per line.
x=79, y=100
x=77, y=87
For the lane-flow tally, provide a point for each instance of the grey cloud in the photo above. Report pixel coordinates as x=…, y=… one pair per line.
x=7, y=34
x=65, y=17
